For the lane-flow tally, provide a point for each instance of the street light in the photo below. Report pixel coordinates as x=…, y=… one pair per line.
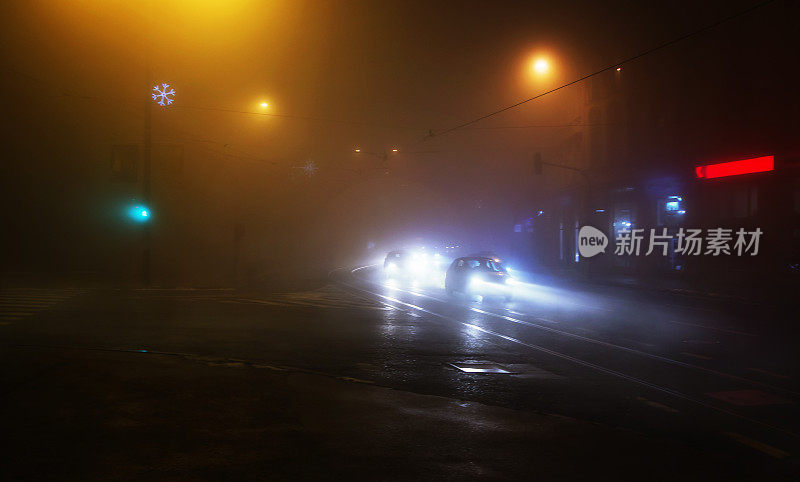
x=380, y=155
x=541, y=66
x=264, y=105
x=539, y=69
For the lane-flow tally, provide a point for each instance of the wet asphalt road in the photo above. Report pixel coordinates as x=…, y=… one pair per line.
x=701, y=374
x=705, y=371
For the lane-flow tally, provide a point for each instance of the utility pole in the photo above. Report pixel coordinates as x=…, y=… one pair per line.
x=146, y=190
x=147, y=154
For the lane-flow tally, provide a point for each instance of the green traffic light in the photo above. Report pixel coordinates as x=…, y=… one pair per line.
x=139, y=213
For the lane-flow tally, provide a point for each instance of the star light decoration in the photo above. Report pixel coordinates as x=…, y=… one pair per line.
x=310, y=168
x=163, y=95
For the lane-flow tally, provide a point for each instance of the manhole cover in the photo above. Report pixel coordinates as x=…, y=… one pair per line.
x=481, y=367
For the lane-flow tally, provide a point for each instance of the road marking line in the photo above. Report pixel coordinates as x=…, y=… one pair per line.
x=184, y=289
x=690, y=307
x=363, y=267
x=657, y=405
x=356, y=380
x=700, y=342
x=585, y=330
x=749, y=398
x=695, y=355
x=760, y=446
x=772, y=374
x=637, y=342
x=726, y=330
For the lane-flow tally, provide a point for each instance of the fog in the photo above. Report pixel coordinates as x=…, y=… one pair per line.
x=245, y=195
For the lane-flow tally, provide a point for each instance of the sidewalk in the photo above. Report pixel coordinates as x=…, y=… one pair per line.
x=777, y=290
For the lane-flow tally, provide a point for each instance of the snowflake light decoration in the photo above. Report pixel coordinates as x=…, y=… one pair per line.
x=162, y=95
x=310, y=168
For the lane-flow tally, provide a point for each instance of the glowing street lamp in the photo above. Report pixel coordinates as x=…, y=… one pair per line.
x=381, y=155
x=541, y=66
x=264, y=105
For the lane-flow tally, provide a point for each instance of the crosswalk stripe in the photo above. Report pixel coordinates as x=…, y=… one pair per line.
x=26, y=303
x=32, y=300
x=16, y=304
x=313, y=304
x=36, y=296
x=327, y=297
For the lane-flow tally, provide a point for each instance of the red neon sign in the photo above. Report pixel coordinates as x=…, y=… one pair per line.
x=734, y=168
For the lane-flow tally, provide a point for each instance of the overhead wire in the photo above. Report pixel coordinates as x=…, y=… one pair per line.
x=604, y=69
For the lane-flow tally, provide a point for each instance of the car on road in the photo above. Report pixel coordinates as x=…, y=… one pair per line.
x=408, y=265
x=478, y=276
x=395, y=263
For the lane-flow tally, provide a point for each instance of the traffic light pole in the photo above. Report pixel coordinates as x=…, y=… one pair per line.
x=586, y=198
